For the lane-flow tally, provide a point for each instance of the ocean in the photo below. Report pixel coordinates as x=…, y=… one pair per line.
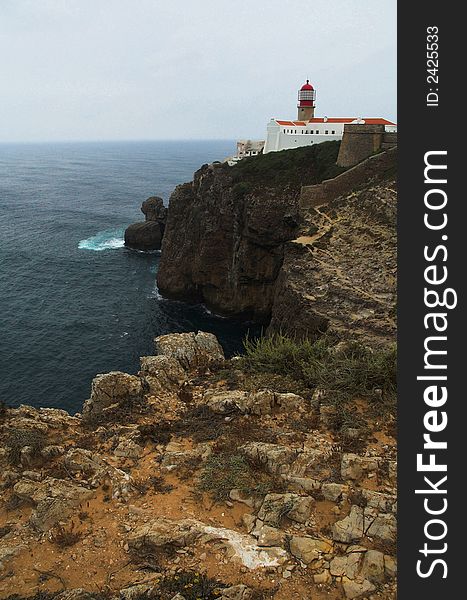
x=73, y=301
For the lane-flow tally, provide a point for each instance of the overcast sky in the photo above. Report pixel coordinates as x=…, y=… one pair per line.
x=205, y=69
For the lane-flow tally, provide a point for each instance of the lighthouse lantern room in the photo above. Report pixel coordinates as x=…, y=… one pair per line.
x=306, y=102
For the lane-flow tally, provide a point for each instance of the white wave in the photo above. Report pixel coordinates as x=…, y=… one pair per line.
x=110, y=239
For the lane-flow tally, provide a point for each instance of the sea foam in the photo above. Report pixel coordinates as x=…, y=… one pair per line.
x=110, y=239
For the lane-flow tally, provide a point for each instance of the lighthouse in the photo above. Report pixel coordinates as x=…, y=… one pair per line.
x=306, y=102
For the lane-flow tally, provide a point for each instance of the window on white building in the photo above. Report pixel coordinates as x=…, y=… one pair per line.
x=326, y=132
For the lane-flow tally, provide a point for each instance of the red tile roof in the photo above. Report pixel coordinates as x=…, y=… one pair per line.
x=377, y=121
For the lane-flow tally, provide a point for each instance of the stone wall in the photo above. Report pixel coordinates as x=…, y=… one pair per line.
x=322, y=193
x=359, y=142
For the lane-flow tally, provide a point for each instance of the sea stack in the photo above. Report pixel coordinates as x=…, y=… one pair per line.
x=148, y=234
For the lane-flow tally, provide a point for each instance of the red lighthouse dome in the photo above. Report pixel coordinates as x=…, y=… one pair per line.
x=306, y=86
x=306, y=95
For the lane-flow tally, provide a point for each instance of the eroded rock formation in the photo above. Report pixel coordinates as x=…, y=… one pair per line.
x=148, y=235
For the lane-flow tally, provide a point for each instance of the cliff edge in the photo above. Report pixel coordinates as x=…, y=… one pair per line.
x=226, y=231
x=243, y=241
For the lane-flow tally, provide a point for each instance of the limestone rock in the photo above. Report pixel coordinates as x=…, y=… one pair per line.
x=224, y=402
x=390, y=566
x=275, y=458
x=136, y=592
x=98, y=471
x=192, y=350
x=127, y=448
x=357, y=589
x=357, y=467
x=346, y=566
x=163, y=374
x=75, y=594
x=351, y=528
x=277, y=506
x=237, y=592
x=383, y=526
x=333, y=491
x=269, y=536
x=110, y=391
x=308, y=549
x=54, y=500
x=161, y=532
x=373, y=566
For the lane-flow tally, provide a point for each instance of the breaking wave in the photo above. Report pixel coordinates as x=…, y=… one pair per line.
x=110, y=239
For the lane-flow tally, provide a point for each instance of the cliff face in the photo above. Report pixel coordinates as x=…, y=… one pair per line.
x=223, y=248
x=245, y=245
x=225, y=234
x=343, y=275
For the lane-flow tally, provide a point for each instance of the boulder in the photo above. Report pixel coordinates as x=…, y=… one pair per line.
x=148, y=235
x=144, y=236
x=237, y=592
x=111, y=391
x=162, y=532
x=346, y=566
x=357, y=467
x=269, y=536
x=275, y=458
x=163, y=374
x=308, y=549
x=54, y=500
x=277, y=506
x=355, y=589
x=373, y=566
x=333, y=491
x=382, y=527
x=351, y=528
x=191, y=350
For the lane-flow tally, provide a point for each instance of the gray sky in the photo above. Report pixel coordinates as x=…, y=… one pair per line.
x=167, y=69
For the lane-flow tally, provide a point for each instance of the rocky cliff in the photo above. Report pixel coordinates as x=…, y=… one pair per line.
x=226, y=231
x=239, y=239
x=199, y=478
x=340, y=272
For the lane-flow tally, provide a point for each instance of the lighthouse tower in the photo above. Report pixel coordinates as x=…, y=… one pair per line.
x=306, y=102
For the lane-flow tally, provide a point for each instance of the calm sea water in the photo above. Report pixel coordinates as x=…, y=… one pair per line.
x=73, y=301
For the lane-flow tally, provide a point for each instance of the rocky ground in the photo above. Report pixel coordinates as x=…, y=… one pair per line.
x=197, y=479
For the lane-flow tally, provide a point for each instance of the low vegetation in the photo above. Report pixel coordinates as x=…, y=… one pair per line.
x=227, y=470
x=292, y=168
x=347, y=370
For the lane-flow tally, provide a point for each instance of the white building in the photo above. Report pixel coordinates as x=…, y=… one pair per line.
x=246, y=148
x=308, y=129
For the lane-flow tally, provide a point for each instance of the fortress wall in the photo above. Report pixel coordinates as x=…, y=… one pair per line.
x=322, y=193
x=359, y=141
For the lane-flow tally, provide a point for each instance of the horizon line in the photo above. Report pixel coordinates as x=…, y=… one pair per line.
x=126, y=140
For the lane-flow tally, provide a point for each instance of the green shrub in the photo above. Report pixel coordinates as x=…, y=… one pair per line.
x=17, y=439
x=353, y=371
x=227, y=470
